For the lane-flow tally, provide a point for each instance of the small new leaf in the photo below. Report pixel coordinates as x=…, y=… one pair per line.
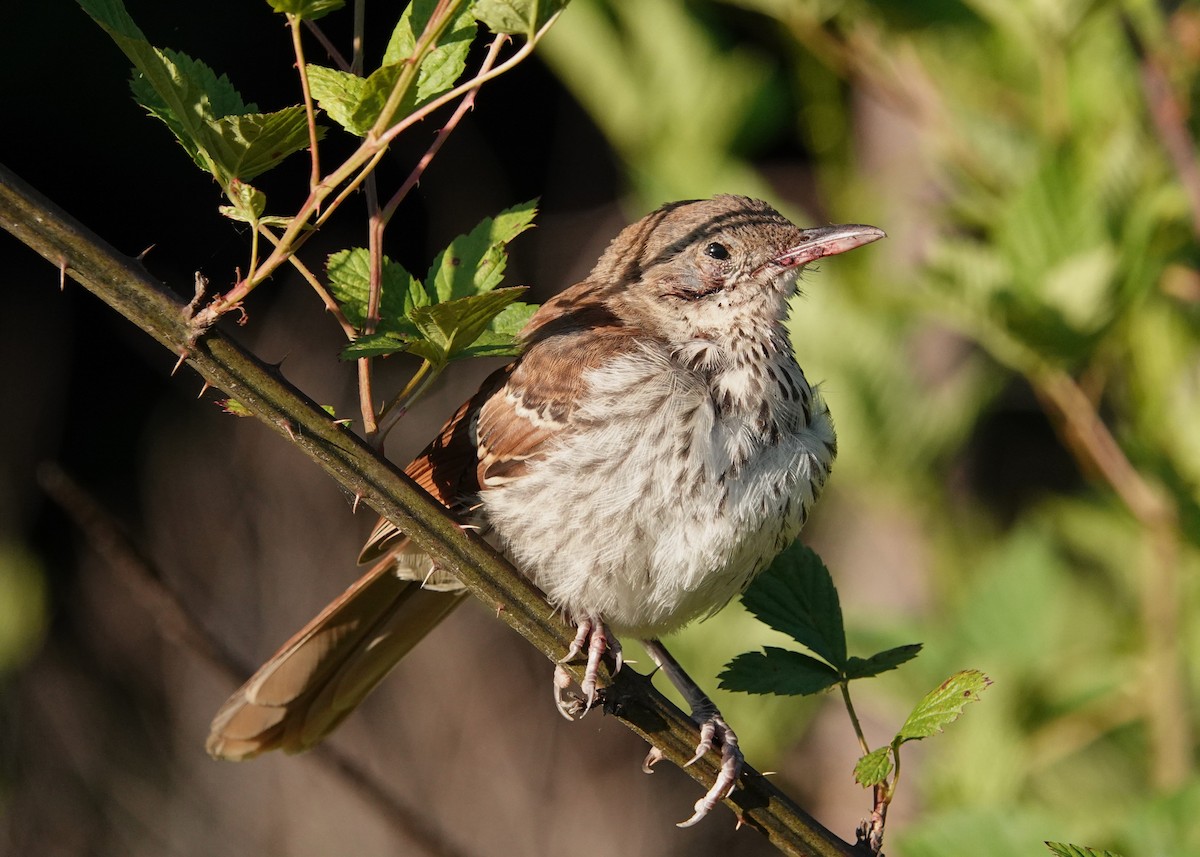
x=248, y=203
x=796, y=596
x=474, y=263
x=880, y=662
x=308, y=10
x=1063, y=850
x=873, y=768
x=234, y=407
x=517, y=17
x=942, y=705
x=777, y=671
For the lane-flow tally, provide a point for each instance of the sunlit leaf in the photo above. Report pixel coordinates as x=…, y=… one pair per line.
x=350, y=283
x=453, y=326
x=474, y=263
x=518, y=17
x=339, y=94
x=247, y=203
x=873, y=768
x=943, y=705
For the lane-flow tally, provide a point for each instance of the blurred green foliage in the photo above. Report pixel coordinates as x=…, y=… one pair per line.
x=1034, y=164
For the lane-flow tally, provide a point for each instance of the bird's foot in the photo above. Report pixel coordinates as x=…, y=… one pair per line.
x=713, y=731
x=594, y=636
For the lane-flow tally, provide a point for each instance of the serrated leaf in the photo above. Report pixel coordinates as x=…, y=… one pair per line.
x=375, y=345
x=777, y=671
x=349, y=274
x=516, y=17
x=1063, y=850
x=453, y=326
x=474, y=263
x=880, y=662
x=796, y=596
x=247, y=203
x=943, y=705
x=376, y=90
x=339, y=94
x=308, y=10
x=873, y=768
x=248, y=144
x=446, y=62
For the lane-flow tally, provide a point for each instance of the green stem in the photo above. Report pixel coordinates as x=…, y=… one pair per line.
x=309, y=109
x=862, y=740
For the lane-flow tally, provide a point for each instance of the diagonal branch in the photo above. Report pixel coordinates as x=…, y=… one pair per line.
x=121, y=283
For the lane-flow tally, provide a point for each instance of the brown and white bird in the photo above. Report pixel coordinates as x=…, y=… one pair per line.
x=653, y=448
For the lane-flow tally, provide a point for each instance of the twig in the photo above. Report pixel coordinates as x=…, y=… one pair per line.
x=309, y=110
x=334, y=54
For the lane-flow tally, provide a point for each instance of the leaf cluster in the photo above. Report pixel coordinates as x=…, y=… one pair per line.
x=456, y=312
x=796, y=596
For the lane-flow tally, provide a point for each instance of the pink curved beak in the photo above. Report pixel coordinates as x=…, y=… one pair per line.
x=827, y=241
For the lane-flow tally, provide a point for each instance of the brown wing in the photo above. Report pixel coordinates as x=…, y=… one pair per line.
x=569, y=335
x=446, y=468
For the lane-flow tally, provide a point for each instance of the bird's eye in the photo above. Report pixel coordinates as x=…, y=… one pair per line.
x=716, y=251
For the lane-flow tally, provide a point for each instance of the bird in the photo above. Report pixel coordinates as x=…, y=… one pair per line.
x=652, y=448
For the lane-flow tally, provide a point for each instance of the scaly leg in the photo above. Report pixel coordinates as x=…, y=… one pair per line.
x=713, y=729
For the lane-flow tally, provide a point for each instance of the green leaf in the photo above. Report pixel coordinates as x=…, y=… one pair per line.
x=1078, y=851
x=474, y=263
x=453, y=326
x=248, y=203
x=880, y=662
x=777, y=671
x=518, y=17
x=248, y=144
x=349, y=274
x=796, y=596
x=943, y=705
x=873, y=768
x=339, y=94
x=376, y=345
x=446, y=62
x=308, y=10
x=500, y=339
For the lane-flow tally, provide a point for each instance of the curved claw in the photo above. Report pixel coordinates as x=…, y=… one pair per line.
x=715, y=728
x=593, y=634
x=652, y=758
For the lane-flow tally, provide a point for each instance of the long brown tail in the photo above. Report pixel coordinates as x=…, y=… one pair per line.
x=324, y=671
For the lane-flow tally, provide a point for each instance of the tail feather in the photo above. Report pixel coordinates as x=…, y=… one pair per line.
x=329, y=667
